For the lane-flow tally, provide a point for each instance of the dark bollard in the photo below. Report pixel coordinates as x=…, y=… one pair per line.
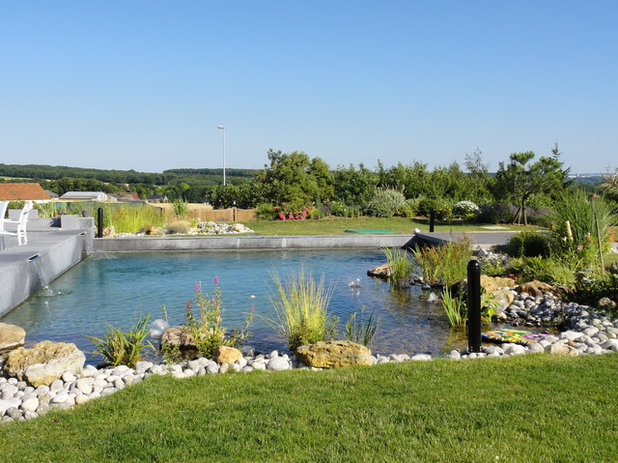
x=474, y=306
x=432, y=220
x=100, y=223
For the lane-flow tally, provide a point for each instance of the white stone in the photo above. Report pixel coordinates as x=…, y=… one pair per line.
x=514, y=349
x=247, y=369
x=212, y=368
x=278, y=364
x=143, y=366
x=421, y=357
x=535, y=348
x=5, y=404
x=56, y=386
x=68, y=377
x=89, y=371
x=570, y=335
x=30, y=404
x=85, y=385
x=610, y=344
x=242, y=362
x=81, y=399
x=259, y=365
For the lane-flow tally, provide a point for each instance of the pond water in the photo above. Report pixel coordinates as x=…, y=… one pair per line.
x=116, y=288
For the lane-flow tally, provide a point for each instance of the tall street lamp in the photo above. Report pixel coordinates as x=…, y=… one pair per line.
x=222, y=127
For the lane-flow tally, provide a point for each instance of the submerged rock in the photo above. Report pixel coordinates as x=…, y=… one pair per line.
x=381, y=271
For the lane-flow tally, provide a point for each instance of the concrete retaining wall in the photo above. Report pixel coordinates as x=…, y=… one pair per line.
x=217, y=243
x=34, y=269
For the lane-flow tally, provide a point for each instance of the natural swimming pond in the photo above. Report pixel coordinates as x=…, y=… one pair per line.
x=116, y=288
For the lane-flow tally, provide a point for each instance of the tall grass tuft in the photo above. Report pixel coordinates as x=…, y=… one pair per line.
x=400, y=265
x=361, y=329
x=124, y=348
x=445, y=264
x=301, y=308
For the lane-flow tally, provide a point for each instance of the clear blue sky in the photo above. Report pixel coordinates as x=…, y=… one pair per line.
x=144, y=84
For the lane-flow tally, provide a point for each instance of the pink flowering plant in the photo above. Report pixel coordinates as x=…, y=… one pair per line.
x=292, y=211
x=206, y=326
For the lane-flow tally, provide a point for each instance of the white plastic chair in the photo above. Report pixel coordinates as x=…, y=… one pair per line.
x=22, y=238
x=3, y=207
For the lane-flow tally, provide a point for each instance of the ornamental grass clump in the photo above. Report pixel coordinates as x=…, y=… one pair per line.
x=445, y=264
x=301, y=308
x=400, y=265
x=124, y=348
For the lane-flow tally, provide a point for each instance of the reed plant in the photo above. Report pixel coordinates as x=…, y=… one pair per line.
x=123, y=348
x=400, y=265
x=445, y=264
x=127, y=218
x=455, y=308
x=361, y=329
x=301, y=309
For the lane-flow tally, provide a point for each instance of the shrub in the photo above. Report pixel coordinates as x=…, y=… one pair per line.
x=446, y=264
x=465, y=209
x=359, y=329
x=409, y=208
x=494, y=213
x=129, y=218
x=124, y=348
x=528, y=243
x=385, y=203
x=180, y=208
x=400, y=265
x=337, y=208
x=301, y=308
x=265, y=211
x=441, y=207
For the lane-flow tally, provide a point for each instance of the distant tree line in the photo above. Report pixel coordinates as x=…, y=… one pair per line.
x=299, y=181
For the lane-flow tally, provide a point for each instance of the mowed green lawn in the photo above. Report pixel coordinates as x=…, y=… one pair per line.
x=338, y=226
x=533, y=408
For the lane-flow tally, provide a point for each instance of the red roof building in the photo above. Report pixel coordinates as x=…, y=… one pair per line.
x=23, y=192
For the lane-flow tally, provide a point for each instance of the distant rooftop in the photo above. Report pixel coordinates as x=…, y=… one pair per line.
x=23, y=192
x=84, y=195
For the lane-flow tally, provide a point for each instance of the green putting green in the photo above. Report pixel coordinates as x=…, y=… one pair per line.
x=369, y=230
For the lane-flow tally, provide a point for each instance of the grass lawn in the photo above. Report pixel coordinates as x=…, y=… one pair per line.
x=338, y=226
x=536, y=408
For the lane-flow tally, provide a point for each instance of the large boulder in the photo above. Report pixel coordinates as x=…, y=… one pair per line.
x=381, y=271
x=44, y=362
x=225, y=354
x=11, y=337
x=334, y=354
x=178, y=338
x=492, y=284
x=534, y=288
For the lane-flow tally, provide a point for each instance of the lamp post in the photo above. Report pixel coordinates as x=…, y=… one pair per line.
x=222, y=127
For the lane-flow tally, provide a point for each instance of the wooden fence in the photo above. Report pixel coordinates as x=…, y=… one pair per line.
x=232, y=214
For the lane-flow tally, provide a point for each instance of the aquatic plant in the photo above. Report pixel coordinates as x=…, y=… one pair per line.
x=123, y=348
x=455, y=308
x=400, y=265
x=360, y=329
x=445, y=264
